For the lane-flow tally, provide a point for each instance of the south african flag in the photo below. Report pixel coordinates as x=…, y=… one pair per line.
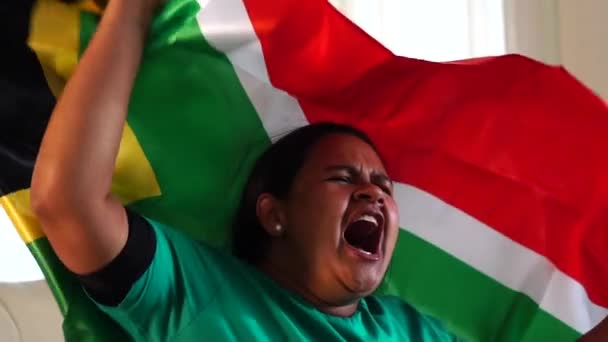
x=500, y=163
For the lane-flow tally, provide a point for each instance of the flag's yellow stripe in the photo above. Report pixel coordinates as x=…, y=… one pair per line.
x=134, y=178
x=18, y=209
x=55, y=38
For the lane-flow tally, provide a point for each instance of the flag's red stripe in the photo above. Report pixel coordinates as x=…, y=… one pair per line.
x=518, y=145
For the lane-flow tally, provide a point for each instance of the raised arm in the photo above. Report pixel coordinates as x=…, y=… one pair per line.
x=70, y=191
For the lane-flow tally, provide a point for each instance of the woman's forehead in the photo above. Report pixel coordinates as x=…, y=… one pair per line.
x=344, y=150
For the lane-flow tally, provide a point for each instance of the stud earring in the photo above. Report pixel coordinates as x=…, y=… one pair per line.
x=278, y=228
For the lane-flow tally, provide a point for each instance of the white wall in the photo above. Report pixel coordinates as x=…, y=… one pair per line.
x=29, y=313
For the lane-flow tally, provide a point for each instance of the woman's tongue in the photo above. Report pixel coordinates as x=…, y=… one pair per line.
x=362, y=235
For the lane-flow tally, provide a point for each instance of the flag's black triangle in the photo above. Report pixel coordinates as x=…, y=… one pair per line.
x=26, y=101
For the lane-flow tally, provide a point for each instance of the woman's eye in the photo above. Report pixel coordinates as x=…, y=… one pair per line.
x=387, y=190
x=343, y=179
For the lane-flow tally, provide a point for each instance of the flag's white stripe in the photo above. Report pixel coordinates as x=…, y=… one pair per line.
x=226, y=25
x=497, y=256
x=426, y=216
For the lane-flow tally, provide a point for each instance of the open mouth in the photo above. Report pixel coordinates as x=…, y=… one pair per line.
x=365, y=235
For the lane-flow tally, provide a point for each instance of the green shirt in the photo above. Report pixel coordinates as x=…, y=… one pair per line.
x=192, y=292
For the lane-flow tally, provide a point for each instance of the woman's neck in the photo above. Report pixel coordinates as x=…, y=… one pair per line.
x=283, y=277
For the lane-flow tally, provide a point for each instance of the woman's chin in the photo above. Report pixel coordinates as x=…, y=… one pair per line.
x=364, y=282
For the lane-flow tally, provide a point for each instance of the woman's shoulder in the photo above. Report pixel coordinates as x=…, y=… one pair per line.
x=188, y=250
x=404, y=314
x=189, y=258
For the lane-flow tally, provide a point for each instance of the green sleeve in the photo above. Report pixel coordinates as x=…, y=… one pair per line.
x=167, y=297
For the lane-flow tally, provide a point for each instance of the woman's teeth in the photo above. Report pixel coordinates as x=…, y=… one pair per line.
x=368, y=218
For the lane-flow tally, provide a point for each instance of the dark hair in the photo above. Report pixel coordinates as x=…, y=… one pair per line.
x=274, y=173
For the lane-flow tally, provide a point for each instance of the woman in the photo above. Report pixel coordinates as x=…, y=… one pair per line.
x=313, y=237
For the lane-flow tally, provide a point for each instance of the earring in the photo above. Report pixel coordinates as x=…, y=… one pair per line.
x=278, y=228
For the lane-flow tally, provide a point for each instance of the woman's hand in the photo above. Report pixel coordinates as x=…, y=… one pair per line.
x=141, y=10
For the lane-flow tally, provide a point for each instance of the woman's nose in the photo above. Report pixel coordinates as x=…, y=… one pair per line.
x=371, y=193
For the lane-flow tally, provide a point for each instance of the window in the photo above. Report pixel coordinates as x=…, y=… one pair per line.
x=436, y=30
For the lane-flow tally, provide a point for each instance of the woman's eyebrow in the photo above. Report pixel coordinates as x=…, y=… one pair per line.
x=377, y=177
x=348, y=168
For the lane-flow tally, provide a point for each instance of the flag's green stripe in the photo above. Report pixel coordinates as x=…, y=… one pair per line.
x=479, y=308
x=226, y=131
x=83, y=322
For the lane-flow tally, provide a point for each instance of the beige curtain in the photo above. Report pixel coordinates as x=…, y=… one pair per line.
x=571, y=33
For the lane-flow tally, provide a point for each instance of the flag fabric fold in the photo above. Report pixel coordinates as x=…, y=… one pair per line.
x=498, y=162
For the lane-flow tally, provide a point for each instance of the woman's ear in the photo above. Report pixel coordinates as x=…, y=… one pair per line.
x=269, y=212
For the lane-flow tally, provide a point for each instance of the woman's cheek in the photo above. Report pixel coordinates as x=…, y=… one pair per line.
x=392, y=211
